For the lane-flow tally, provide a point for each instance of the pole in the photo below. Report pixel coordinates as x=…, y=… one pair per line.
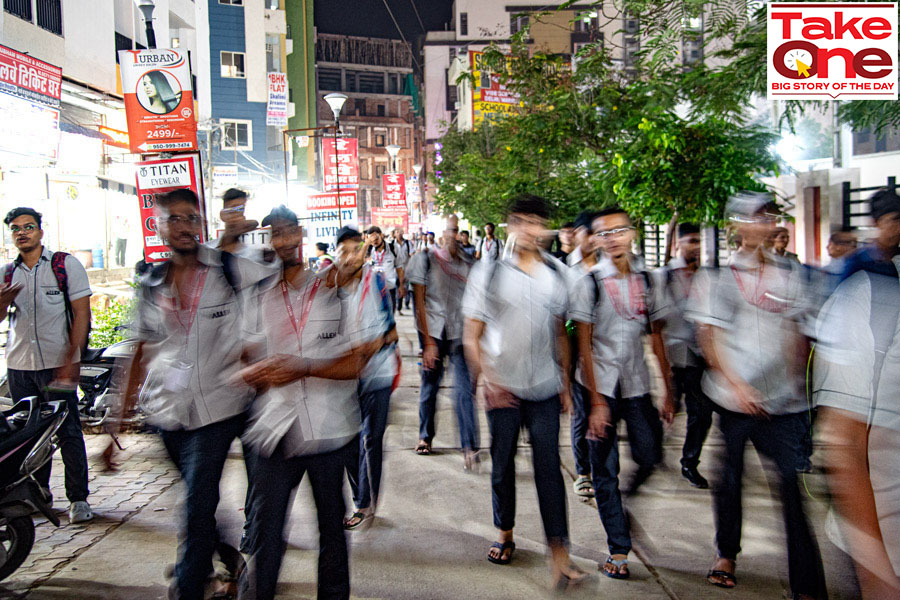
x=284, y=143
x=151, y=35
x=337, y=166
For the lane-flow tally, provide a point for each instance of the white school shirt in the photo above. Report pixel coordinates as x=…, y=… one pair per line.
x=444, y=278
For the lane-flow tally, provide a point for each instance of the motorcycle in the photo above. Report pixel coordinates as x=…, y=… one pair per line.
x=27, y=443
x=101, y=383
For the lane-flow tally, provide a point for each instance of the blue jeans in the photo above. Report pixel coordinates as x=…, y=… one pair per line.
x=579, y=430
x=275, y=479
x=542, y=420
x=780, y=439
x=463, y=390
x=364, y=461
x=645, y=439
x=200, y=457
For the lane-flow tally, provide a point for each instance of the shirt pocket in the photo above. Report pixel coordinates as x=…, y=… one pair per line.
x=218, y=315
x=52, y=295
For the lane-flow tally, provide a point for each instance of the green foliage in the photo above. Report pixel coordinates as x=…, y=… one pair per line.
x=104, y=323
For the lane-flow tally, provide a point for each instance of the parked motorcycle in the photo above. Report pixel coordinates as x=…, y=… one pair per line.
x=27, y=442
x=101, y=382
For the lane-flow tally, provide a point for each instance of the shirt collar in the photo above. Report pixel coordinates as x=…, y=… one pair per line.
x=46, y=254
x=606, y=268
x=677, y=263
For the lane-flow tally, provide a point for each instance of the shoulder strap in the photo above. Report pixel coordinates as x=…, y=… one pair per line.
x=228, y=270
x=596, y=286
x=8, y=273
x=58, y=265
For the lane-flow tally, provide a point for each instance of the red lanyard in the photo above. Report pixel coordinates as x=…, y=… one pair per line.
x=367, y=280
x=488, y=247
x=199, y=281
x=637, y=307
x=307, y=307
x=764, y=300
x=446, y=267
x=378, y=258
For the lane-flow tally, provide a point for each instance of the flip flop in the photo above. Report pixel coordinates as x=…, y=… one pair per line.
x=365, y=519
x=583, y=487
x=725, y=575
x=618, y=564
x=423, y=449
x=511, y=546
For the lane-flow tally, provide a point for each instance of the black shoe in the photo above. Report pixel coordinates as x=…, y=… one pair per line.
x=640, y=476
x=694, y=477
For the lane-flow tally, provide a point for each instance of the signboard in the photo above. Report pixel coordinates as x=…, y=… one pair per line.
x=341, y=165
x=277, y=106
x=390, y=218
x=490, y=98
x=412, y=192
x=224, y=177
x=822, y=50
x=393, y=190
x=114, y=137
x=158, y=176
x=29, y=106
x=159, y=101
x=322, y=224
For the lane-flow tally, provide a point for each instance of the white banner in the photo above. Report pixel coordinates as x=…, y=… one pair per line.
x=277, y=107
x=323, y=222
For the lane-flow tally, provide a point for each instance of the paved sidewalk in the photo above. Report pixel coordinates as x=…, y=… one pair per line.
x=433, y=529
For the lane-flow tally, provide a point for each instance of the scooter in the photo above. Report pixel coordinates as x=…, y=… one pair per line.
x=27, y=442
x=101, y=383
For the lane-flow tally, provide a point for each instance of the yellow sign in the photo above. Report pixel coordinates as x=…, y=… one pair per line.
x=491, y=99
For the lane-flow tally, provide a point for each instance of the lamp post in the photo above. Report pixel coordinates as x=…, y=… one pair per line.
x=146, y=7
x=393, y=150
x=417, y=169
x=336, y=102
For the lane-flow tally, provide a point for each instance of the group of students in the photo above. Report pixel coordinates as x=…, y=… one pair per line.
x=237, y=342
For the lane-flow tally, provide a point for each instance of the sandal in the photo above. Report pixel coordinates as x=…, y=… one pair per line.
x=423, y=449
x=357, y=520
x=503, y=547
x=726, y=578
x=618, y=564
x=583, y=487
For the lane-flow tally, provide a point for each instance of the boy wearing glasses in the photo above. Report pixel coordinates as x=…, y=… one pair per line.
x=48, y=328
x=234, y=205
x=614, y=306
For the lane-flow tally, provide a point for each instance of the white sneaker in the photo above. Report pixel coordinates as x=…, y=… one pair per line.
x=79, y=512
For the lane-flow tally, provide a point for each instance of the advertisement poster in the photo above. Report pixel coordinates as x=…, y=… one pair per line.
x=390, y=218
x=393, y=190
x=29, y=108
x=490, y=99
x=323, y=223
x=832, y=50
x=156, y=177
x=277, y=106
x=342, y=164
x=159, y=101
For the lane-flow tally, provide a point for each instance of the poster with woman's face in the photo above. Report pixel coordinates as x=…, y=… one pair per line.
x=159, y=92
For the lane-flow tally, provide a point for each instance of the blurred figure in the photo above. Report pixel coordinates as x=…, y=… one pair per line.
x=877, y=257
x=490, y=248
x=750, y=318
x=580, y=261
x=439, y=276
x=405, y=250
x=234, y=204
x=121, y=231
x=323, y=258
x=427, y=242
x=515, y=310
x=384, y=257
x=307, y=418
x=566, y=239
x=464, y=244
x=840, y=244
x=683, y=349
x=778, y=242
x=188, y=353
x=614, y=307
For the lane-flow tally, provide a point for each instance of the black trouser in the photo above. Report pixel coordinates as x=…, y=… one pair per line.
x=780, y=439
x=393, y=294
x=120, y=251
x=71, y=441
x=699, y=413
x=275, y=479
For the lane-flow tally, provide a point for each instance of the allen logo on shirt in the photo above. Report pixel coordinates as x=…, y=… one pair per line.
x=53, y=292
x=218, y=314
x=327, y=335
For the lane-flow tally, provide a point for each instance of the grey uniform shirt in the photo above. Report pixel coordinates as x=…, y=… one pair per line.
x=620, y=322
x=490, y=249
x=522, y=314
x=682, y=348
x=211, y=346
x=313, y=415
x=368, y=304
x=39, y=330
x=385, y=261
x=405, y=251
x=444, y=278
x=763, y=314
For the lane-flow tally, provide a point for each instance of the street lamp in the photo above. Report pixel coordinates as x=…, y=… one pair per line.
x=336, y=102
x=146, y=7
x=417, y=169
x=393, y=150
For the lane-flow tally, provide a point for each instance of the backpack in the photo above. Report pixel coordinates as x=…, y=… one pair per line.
x=58, y=265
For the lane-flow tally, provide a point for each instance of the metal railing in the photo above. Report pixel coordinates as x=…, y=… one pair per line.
x=853, y=218
x=20, y=8
x=49, y=15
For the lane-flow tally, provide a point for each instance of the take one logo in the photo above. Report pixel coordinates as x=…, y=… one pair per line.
x=845, y=50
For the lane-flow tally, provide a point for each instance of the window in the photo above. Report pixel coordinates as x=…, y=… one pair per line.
x=517, y=23
x=49, y=15
x=393, y=83
x=237, y=134
x=232, y=2
x=330, y=79
x=371, y=83
x=463, y=23
x=176, y=42
x=380, y=109
x=273, y=54
x=380, y=170
x=587, y=22
x=363, y=137
x=232, y=64
x=364, y=169
x=379, y=140
x=20, y=8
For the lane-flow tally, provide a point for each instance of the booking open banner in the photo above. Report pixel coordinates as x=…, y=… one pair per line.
x=159, y=101
x=156, y=177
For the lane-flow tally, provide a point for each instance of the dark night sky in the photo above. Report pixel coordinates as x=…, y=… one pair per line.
x=370, y=18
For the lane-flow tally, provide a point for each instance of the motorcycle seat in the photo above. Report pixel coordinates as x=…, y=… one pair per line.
x=90, y=355
x=21, y=424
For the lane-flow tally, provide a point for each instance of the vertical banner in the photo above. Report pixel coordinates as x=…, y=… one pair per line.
x=322, y=224
x=29, y=107
x=341, y=164
x=158, y=176
x=159, y=100
x=490, y=98
x=393, y=190
x=277, y=105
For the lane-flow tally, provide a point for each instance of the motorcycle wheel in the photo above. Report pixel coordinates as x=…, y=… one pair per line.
x=16, y=541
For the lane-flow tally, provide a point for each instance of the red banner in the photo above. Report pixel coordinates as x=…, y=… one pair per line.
x=393, y=190
x=155, y=177
x=341, y=165
x=29, y=78
x=390, y=218
x=159, y=100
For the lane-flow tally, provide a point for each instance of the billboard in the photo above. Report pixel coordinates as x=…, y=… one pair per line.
x=277, y=105
x=159, y=100
x=342, y=164
x=490, y=98
x=322, y=221
x=393, y=190
x=158, y=176
x=30, y=90
x=390, y=218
